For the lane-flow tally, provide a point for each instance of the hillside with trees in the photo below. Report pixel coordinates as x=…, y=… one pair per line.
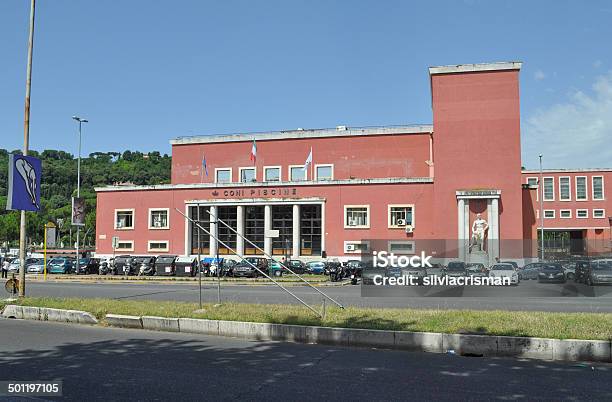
x=58, y=185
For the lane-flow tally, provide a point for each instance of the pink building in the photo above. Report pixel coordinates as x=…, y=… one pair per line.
x=399, y=184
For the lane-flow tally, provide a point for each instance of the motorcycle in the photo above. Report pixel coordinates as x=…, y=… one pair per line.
x=336, y=272
x=103, y=269
x=146, y=269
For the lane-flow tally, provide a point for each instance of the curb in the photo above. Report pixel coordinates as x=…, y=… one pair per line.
x=48, y=314
x=460, y=344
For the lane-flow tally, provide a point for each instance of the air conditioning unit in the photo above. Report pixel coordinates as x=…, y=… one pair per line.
x=409, y=228
x=350, y=247
x=401, y=222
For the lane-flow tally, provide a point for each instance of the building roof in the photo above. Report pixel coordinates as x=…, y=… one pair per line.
x=468, y=68
x=567, y=170
x=339, y=131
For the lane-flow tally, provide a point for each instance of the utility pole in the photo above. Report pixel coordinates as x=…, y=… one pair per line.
x=81, y=121
x=541, y=191
x=26, y=143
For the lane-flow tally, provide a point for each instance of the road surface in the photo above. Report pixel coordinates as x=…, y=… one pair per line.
x=97, y=363
x=499, y=298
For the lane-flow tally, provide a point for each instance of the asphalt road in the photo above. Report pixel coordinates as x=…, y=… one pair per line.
x=508, y=298
x=97, y=363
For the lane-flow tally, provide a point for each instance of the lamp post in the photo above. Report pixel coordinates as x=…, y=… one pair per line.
x=541, y=190
x=80, y=121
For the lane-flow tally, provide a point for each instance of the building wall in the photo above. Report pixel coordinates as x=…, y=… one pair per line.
x=377, y=156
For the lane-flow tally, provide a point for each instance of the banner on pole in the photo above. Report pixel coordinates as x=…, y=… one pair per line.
x=24, y=183
x=78, y=211
x=51, y=234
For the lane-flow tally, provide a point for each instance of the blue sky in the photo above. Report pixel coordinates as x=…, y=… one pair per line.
x=146, y=71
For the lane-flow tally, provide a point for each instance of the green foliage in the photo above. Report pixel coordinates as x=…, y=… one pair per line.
x=58, y=185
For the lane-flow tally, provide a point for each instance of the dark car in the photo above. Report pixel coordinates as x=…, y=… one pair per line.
x=599, y=272
x=316, y=267
x=551, y=272
x=456, y=268
x=88, y=266
x=369, y=274
x=530, y=271
x=245, y=268
x=297, y=266
x=476, y=269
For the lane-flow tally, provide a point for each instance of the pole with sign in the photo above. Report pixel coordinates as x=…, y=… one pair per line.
x=114, y=244
x=49, y=242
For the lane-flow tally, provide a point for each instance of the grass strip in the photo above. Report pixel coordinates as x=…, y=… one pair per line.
x=509, y=323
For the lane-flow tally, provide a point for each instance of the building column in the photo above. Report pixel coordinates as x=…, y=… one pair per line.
x=461, y=225
x=267, y=228
x=493, y=229
x=213, y=230
x=323, y=228
x=296, y=231
x=240, y=230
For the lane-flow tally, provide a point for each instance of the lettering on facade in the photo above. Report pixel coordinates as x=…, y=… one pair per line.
x=255, y=193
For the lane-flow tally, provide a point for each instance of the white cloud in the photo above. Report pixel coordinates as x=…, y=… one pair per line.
x=574, y=133
x=539, y=75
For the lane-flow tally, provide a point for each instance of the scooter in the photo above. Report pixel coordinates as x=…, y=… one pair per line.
x=146, y=269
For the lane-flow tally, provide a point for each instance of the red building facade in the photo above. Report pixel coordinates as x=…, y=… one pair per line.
x=401, y=183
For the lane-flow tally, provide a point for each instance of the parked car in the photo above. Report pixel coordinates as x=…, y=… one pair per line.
x=36, y=267
x=316, y=267
x=551, y=272
x=245, y=267
x=88, y=266
x=370, y=272
x=61, y=265
x=456, y=268
x=415, y=272
x=530, y=271
x=227, y=268
x=570, y=270
x=354, y=267
x=599, y=272
x=435, y=270
x=15, y=264
x=297, y=266
x=504, y=270
x=275, y=268
x=513, y=263
x=476, y=269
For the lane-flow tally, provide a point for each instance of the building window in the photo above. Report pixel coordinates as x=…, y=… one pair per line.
x=357, y=216
x=158, y=218
x=229, y=215
x=254, y=228
x=247, y=175
x=549, y=214
x=282, y=220
x=356, y=247
x=564, y=189
x=582, y=213
x=223, y=175
x=565, y=213
x=124, y=219
x=599, y=213
x=598, y=188
x=272, y=173
x=549, y=189
x=401, y=216
x=401, y=247
x=324, y=172
x=533, y=181
x=157, y=246
x=125, y=245
x=297, y=173
x=200, y=241
x=310, y=229
x=581, y=188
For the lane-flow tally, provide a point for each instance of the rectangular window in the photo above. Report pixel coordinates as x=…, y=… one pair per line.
x=223, y=175
x=599, y=213
x=157, y=246
x=356, y=216
x=598, y=188
x=272, y=173
x=582, y=213
x=247, y=175
x=297, y=173
x=549, y=214
x=124, y=219
x=254, y=228
x=356, y=247
x=158, y=218
x=564, y=189
x=549, y=189
x=533, y=181
x=401, y=216
x=125, y=245
x=229, y=215
x=324, y=172
x=565, y=213
x=581, y=188
x=401, y=247
x=200, y=241
x=310, y=229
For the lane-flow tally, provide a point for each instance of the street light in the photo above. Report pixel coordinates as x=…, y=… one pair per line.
x=541, y=186
x=81, y=121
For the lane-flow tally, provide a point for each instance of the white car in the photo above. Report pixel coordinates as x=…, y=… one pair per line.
x=504, y=271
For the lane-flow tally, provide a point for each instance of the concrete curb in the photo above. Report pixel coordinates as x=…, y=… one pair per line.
x=460, y=344
x=48, y=314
